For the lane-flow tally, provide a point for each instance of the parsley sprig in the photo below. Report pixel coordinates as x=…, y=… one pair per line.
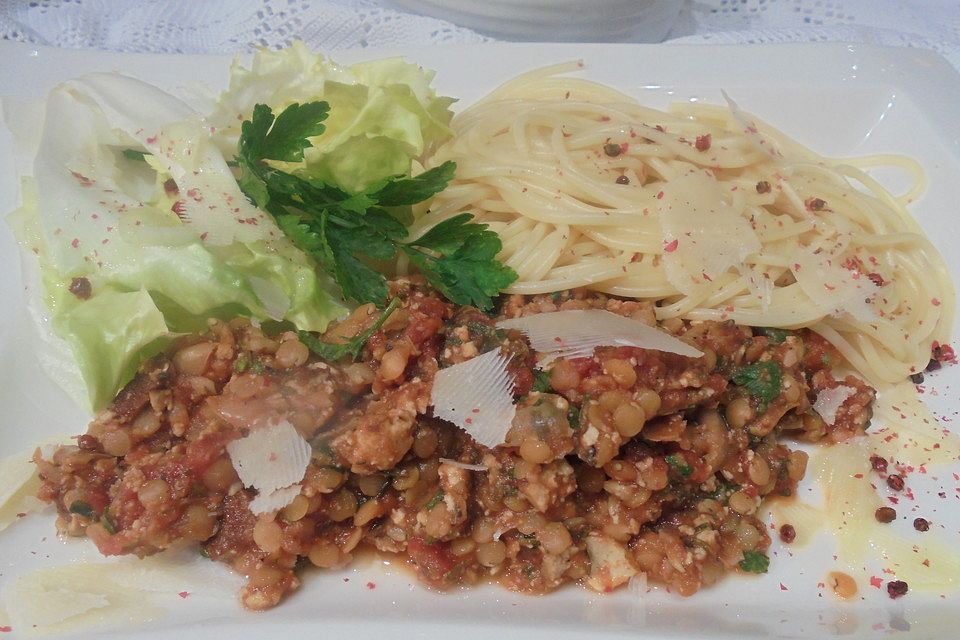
x=346, y=232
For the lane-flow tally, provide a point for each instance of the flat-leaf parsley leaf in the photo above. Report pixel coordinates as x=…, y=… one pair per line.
x=344, y=232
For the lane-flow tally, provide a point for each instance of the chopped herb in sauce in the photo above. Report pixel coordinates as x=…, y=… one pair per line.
x=541, y=381
x=755, y=562
x=107, y=522
x=81, y=508
x=573, y=413
x=679, y=465
x=776, y=336
x=352, y=347
x=241, y=363
x=761, y=380
x=435, y=500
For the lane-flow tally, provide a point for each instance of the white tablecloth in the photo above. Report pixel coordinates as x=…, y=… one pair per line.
x=226, y=26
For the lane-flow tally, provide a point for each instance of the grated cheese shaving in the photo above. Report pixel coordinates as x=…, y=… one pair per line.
x=46, y=606
x=844, y=472
x=576, y=333
x=638, y=585
x=89, y=598
x=760, y=142
x=463, y=465
x=274, y=500
x=477, y=396
x=903, y=427
x=19, y=483
x=712, y=236
x=271, y=457
x=831, y=287
x=830, y=400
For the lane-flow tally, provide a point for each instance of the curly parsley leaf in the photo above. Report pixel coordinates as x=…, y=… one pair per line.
x=761, y=380
x=755, y=562
x=345, y=232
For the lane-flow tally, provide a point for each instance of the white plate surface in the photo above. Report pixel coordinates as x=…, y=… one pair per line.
x=841, y=100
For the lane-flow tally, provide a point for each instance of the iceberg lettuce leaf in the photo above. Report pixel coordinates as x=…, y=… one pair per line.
x=163, y=244
x=383, y=114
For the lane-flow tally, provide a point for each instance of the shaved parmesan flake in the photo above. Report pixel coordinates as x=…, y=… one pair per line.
x=274, y=500
x=904, y=428
x=49, y=607
x=463, y=465
x=19, y=483
x=843, y=471
x=830, y=400
x=181, y=146
x=638, y=586
x=576, y=333
x=713, y=237
x=831, y=286
x=760, y=286
x=77, y=599
x=477, y=396
x=806, y=519
x=749, y=127
x=271, y=457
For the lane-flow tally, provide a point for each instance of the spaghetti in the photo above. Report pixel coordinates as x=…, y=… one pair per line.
x=705, y=209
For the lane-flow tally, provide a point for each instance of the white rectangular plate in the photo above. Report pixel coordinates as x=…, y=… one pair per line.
x=841, y=100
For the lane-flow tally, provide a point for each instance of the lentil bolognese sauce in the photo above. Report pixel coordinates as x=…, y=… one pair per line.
x=629, y=461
